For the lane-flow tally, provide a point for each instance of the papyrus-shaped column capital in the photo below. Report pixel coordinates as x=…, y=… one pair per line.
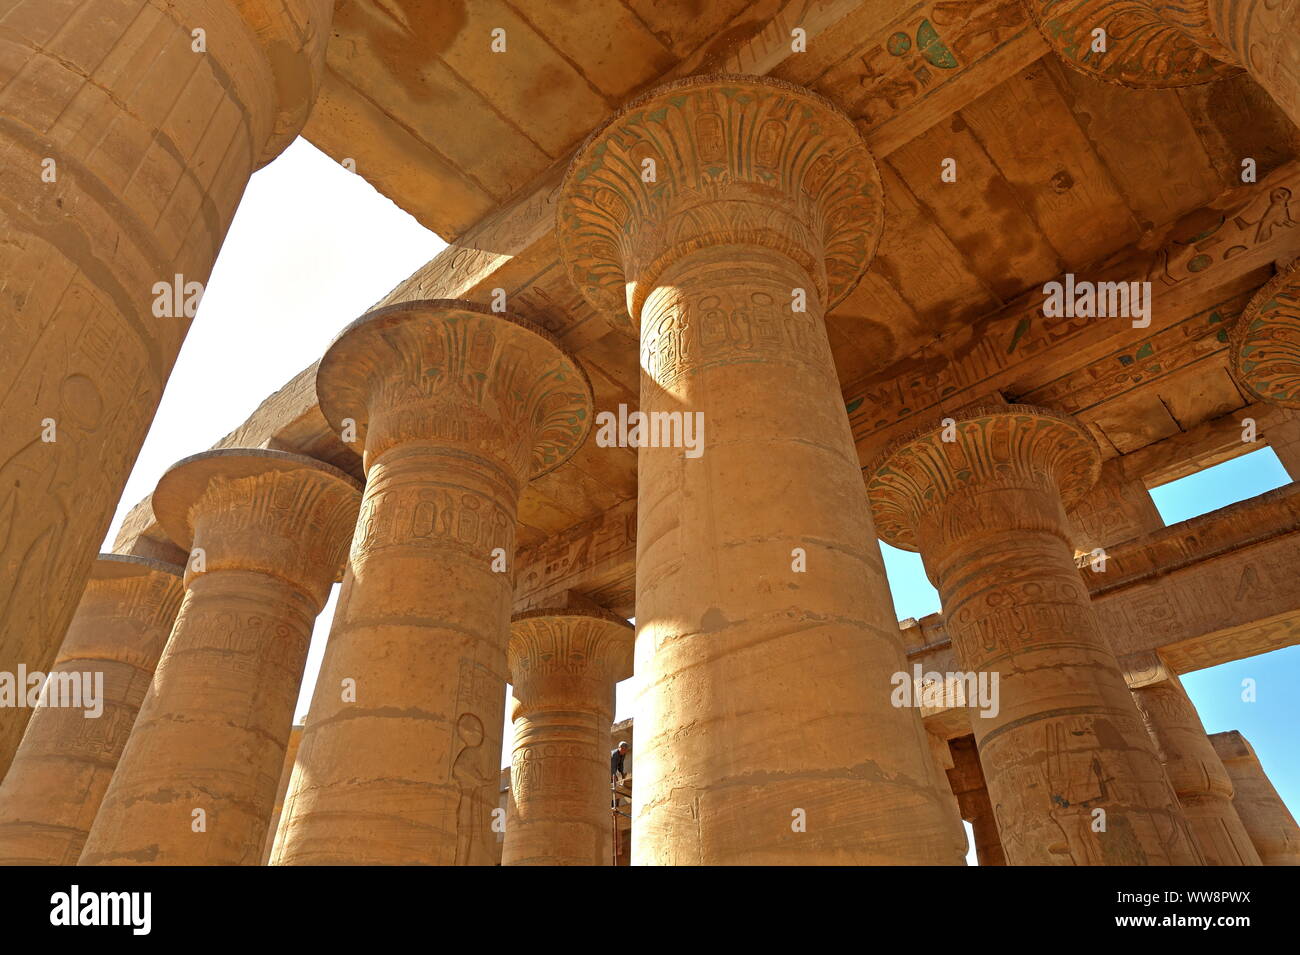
x=455, y=408
x=1160, y=44
x=1195, y=771
x=457, y=376
x=268, y=532
x=266, y=512
x=1265, y=342
x=1072, y=775
x=1266, y=817
x=717, y=219
x=981, y=471
x=719, y=161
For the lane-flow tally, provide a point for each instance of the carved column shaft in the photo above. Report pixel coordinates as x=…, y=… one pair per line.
x=563, y=667
x=1196, y=773
x=719, y=218
x=457, y=407
x=418, y=630
x=982, y=500
x=952, y=807
x=125, y=146
x=63, y=766
x=1268, y=822
x=197, y=782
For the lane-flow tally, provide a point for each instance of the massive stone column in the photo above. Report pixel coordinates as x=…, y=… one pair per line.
x=67, y=756
x=720, y=217
x=968, y=785
x=563, y=664
x=128, y=131
x=1156, y=44
x=1270, y=824
x=942, y=763
x=1196, y=772
x=196, y=784
x=286, y=777
x=983, y=498
x=457, y=408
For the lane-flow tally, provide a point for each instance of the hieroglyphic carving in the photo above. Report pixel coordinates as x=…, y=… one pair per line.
x=213, y=730
x=1245, y=229
x=119, y=631
x=1155, y=44
x=1142, y=361
x=86, y=247
x=927, y=47
x=981, y=496
x=578, y=558
x=456, y=374
x=434, y=514
x=473, y=777
x=1266, y=342
x=724, y=314
x=224, y=501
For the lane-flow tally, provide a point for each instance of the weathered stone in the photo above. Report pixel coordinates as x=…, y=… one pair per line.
x=563, y=664
x=196, y=784
x=967, y=781
x=125, y=144
x=720, y=217
x=63, y=766
x=1196, y=773
x=1072, y=774
x=1266, y=342
x=1161, y=43
x=456, y=408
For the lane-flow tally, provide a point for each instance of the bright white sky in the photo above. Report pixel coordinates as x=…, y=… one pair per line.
x=312, y=247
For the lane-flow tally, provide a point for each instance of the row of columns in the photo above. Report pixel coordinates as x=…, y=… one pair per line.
x=129, y=132
x=766, y=638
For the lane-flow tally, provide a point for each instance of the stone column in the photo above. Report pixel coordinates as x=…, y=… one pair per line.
x=1196, y=773
x=126, y=141
x=196, y=784
x=942, y=763
x=563, y=664
x=719, y=217
x=1157, y=44
x=1269, y=823
x=286, y=776
x=457, y=408
x=967, y=781
x=67, y=756
x=983, y=499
